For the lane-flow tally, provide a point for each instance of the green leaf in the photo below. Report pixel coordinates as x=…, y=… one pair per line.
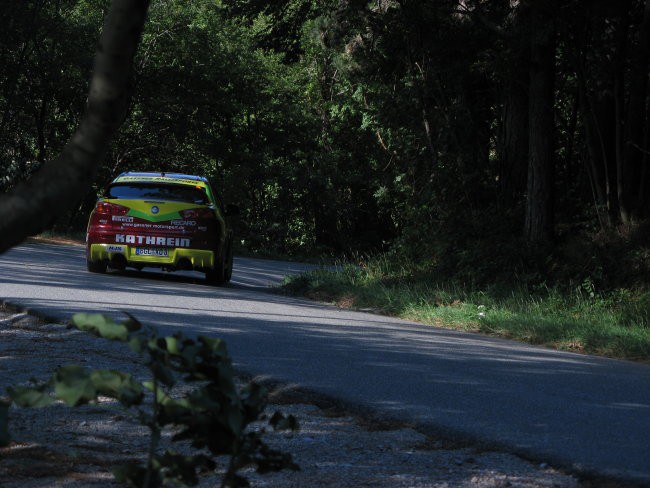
x=161, y=396
x=34, y=397
x=163, y=374
x=137, y=344
x=116, y=384
x=74, y=385
x=164, y=398
x=189, y=356
x=101, y=325
x=132, y=324
x=216, y=346
x=171, y=343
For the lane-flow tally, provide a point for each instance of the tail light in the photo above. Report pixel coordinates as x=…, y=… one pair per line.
x=111, y=209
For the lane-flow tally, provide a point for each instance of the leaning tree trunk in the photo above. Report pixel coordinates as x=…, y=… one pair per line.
x=539, y=221
x=35, y=204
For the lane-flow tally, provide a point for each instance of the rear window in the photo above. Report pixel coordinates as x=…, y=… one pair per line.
x=175, y=193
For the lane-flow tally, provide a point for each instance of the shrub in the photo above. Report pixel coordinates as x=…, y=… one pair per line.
x=214, y=415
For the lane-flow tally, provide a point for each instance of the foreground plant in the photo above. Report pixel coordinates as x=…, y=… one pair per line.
x=214, y=415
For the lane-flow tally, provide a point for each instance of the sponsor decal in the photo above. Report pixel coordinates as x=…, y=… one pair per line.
x=139, y=225
x=155, y=213
x=152, y=240
x=161, y=179
x=115, y=248
x=144, y=225
x=188, y=223
x=122, y=218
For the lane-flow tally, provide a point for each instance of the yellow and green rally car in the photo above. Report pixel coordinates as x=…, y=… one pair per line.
x=166, y=220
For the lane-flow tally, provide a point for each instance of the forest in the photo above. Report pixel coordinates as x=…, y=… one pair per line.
x=480, y=165
x=482, y=140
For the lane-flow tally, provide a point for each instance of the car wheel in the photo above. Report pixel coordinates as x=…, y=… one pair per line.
x=217, y=275
x=221, y=273
x=229, y=260
x=96, y=266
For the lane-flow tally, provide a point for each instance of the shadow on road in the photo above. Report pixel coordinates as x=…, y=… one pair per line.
x=587, y=412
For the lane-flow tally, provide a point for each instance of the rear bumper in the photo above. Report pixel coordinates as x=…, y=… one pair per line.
x=177, y=258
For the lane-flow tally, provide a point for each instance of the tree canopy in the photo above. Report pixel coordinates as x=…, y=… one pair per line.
x=431, y=127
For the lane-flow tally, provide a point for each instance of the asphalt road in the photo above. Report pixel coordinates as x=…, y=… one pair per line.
x=586, y=413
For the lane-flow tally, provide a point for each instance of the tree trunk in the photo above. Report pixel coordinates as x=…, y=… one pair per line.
x=620, y=55
x=41, y=116
x=513, y=137
x=633, y=180
x=34, y=205
x=539, y=223
x=598, y=117
x=644, y=181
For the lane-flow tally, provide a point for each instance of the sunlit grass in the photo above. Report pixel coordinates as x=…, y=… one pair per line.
x=577, y=318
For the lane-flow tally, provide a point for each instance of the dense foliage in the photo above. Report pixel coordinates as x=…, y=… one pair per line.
x=471, y=134
x=191, y=394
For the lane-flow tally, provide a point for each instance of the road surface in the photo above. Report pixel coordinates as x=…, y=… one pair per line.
x=585, y=413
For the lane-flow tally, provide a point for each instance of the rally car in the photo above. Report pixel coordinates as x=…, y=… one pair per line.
x=166, y=220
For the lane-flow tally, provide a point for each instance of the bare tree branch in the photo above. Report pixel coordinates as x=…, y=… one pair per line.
x=54, y=189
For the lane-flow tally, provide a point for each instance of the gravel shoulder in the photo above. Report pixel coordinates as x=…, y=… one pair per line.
x=62, y=447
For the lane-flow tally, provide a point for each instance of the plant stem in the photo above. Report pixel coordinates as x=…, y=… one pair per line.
x=155, y=435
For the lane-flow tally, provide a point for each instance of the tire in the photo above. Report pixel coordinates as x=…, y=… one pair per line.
x=229, y=260
x=221, y=273
x=216, y=276
x=96, y=266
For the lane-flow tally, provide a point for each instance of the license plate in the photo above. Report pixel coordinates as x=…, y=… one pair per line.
x=151, y=251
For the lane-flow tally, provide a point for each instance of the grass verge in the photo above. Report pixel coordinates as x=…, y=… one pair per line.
x=578, y=318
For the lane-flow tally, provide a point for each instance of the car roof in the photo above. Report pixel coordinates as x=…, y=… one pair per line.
x=151, y=177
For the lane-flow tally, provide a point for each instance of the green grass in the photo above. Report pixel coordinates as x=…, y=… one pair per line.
x=578, y=318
